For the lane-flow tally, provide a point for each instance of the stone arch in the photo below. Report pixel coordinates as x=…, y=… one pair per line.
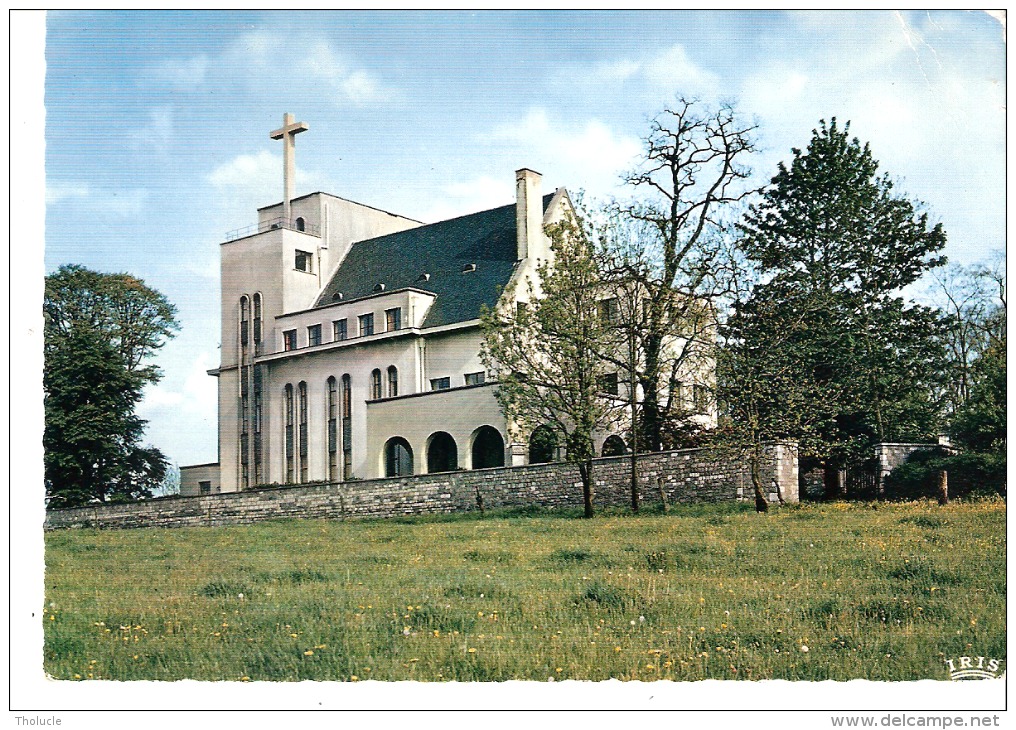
x=542, y=445
x=614, y=446
x=398, y=457
x=442, y=453
x=488, y=448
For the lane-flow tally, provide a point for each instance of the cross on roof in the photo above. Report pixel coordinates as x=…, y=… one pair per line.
x=287, y=134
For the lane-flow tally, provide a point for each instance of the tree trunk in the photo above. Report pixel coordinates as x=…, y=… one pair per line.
x=651, y=421
x=663, y=495
x=586, y=472
x=943, y=487
x=761, y=503
x=633, y=446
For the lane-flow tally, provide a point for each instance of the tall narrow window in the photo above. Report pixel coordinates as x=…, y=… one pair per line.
x=244, y=321
x=393, y=381
x=333, y=430
x=700, y=398
x=340, y=331
x=303, y=432
x=366, y=324
x=375, y=384
x=301, y=224
x=257, y=324
x=289, y=339
x=289, y=434
x=245, y=425
x=259, y=475
x=347, y=430
x=393, y=319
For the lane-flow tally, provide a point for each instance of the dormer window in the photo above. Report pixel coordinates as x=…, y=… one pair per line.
x=304, y=261
x=468, y=268
x=379, y=287
x=337, y=296
x=423, y=277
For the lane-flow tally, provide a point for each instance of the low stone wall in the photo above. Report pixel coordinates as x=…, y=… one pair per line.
x=691, y=475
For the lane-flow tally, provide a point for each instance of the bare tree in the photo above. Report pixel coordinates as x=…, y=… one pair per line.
x=690, y=180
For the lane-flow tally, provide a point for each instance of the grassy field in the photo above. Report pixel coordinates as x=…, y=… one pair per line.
x=831, y=591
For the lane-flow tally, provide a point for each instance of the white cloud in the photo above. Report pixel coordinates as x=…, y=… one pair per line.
x=321, y=62
x=157, y=134
x=461, y=198
x=248, y=182
x=183, y=74
x=181, y=414
x=673, y=72
x=58, y=192
x=119, y=203
x=590, y=153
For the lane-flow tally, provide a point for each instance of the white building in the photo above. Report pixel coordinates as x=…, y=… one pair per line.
x=351, y=338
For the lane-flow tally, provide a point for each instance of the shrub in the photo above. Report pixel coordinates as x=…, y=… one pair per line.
x=970, y=473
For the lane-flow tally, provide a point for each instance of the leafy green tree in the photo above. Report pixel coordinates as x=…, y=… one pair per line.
x=544, y=348
x=834, y=233
x=100, y=330
x=764, y=374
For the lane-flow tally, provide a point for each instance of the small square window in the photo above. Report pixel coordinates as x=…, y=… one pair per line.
x=314, y=335
x=608, y=383
x=610, y=312
x=440, y=383
x=475, y=378
x=366, y=324
x=289, y=339
x=205, y=487
x=340, y=330
x=304, y=261
x=393, y=319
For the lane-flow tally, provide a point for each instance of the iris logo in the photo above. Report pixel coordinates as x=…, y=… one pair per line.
x=973, y=667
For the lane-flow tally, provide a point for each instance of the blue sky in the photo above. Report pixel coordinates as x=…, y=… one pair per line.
x=157, y=126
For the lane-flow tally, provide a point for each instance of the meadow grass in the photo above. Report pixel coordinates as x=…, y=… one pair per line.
x=824, y=591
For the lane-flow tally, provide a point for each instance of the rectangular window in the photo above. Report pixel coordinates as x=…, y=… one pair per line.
x=475, y=378
x=393, y=319
x=440, y=383
x=339, y=330
x=608, y=383
x=205, y=487
x=610, y=312
x=289, y=340
x=700, y=398
x=314, y=335
x=366, y=324
x=303, y=261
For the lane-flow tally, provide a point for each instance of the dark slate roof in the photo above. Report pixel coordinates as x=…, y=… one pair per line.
x=486, y=239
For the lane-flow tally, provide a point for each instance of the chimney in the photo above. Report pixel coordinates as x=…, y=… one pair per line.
x=528, y=212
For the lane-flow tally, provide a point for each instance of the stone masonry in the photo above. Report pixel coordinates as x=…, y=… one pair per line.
x=691, y=475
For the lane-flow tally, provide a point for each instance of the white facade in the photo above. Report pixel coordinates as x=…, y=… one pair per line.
x=291, y=346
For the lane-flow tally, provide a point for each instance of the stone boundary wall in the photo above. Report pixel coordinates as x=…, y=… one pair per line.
x=690, y=475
